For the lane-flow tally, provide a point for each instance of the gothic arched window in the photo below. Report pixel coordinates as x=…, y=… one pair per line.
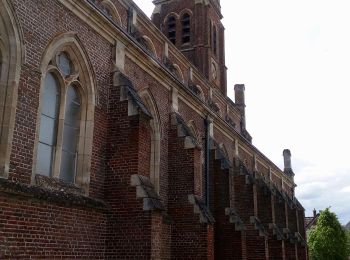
x=66, y=114
x=186, y=28
x=172, y=29
x=58, y=139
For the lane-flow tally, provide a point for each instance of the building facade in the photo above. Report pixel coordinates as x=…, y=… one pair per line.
x=118, y=140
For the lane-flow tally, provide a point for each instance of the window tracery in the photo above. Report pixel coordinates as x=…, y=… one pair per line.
x=65, y=125
x=60, y=94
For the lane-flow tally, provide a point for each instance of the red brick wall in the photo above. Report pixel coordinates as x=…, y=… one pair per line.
x=228, y=241
x=40, y=23
x=128, y=153
x=255, y=245
x=189, y=238
x=244, y=198
x=40, y=229
x=275, y=249
x=280, y=214
x=142, y=81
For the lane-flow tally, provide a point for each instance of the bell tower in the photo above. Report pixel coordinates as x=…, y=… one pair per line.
x=195, y=28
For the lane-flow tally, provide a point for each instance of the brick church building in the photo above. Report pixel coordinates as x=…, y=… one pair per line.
x=118, y=140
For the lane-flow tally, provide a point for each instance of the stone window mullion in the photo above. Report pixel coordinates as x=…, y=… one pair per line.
x=60, y=127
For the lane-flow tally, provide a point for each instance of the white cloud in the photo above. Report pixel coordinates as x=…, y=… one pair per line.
x=346, y=189
x=320, y=187
x=294, y=58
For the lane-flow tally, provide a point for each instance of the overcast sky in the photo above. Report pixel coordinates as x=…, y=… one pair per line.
x=294, y=58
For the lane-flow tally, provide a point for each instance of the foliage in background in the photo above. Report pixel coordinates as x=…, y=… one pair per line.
x=348, y=242
x=328, y=240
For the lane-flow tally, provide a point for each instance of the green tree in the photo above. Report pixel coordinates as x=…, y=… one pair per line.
x=328, y=240
x=348, y=242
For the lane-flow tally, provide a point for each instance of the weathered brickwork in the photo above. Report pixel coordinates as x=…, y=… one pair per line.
x=168, y=167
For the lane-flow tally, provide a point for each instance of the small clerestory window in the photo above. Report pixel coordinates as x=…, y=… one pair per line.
x=215, y=40
x=186, y=29
x=172, y=29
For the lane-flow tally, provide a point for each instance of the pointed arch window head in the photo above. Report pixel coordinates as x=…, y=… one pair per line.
x=64, y=64
x=64, y=111
x=186, y=28
x=172, y=29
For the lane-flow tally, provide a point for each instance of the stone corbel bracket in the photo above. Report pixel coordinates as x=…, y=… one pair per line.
x=200, y=208
x=258, y=226
x=128, y=92
x=184, y=131
x=277, y=232
x=145, y=190
x=235, y=219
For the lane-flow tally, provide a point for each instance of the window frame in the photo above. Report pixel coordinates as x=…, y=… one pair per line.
x=174, y=23
x=64, y=83
x=3, y=81
x=11, y=44
x=84, y=81
x=186, y=36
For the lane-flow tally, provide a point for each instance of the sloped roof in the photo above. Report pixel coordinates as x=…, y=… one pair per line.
x=311, y=221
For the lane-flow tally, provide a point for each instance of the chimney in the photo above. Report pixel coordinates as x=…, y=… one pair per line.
x=314, y=211
x=239, y=98
x=287, y=163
